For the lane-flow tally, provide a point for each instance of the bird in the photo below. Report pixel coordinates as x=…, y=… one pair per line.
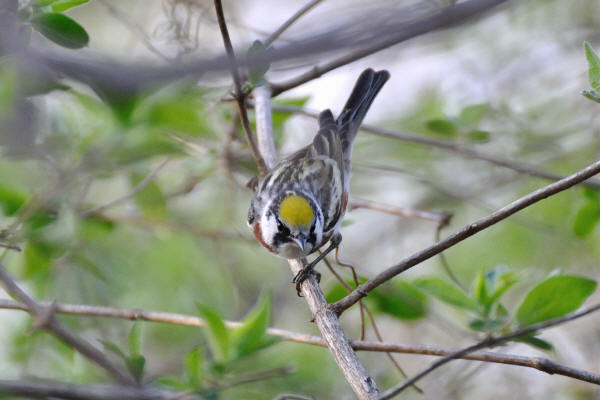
x=299, y=205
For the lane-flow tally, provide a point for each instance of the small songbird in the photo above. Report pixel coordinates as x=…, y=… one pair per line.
x=299, y=205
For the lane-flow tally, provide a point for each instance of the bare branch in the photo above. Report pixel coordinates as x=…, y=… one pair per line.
x=468, y=231
x=138, y=188
x=588, y=377
x=287, y=396
x=40, y=389
x=240, y=96
x=44, y=318
x=361, y=383
x=305, y=8
x=10, y=246
x=440, y=218
x=446, y=17
x=262, y=96
x=136, y=314
x=445, y=145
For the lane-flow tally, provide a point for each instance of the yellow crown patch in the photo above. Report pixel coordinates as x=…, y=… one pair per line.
x=296, y=211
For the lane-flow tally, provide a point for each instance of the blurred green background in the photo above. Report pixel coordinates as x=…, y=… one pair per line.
x=507, y=83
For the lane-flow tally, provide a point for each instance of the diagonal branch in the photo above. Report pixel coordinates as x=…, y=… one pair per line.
x=44, y=318
x=138, y=188
x=297, y=15
x=446, y=17
x=489, y=343
x=457, y=148
x=468, y=231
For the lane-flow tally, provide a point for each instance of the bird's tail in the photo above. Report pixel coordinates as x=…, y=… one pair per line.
x=366, y=88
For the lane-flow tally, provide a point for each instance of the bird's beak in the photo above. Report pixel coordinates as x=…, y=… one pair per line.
x=300, y=241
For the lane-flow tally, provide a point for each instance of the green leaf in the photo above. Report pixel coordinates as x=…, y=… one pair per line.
x=37, y=259
x=171, y=382
x=11, y=199
x=135, y=365
x=183, y=114
x=443, y=126
x=472, y=114
x=279, y=118
x=446, y=292
x=534, y=341
x=113, y=348
x=43, y=3
x=40, y=220
x=150, y=199
x=478, y=136
x=586, y=219
x=553, y=298
x=594, y=67
x=249, y=336
x=402, y=300
x=257, y=69
x=134, y=339
x=217, y=335
x=194, y=368
x=591, y=194
x=501, y=311
x=592, y=95
x=487, y=325
x=497, y=281
x=64, y=5
x=505, y=282
x=337, y=291
x=61, y=29
x=480, y=291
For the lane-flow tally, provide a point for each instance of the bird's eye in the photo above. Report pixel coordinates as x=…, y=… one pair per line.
x=282, y=228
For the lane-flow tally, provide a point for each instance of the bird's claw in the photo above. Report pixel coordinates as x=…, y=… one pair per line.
x=303, y=275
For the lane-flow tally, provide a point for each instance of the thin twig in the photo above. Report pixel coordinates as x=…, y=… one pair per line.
x=468, y=231
x=134, y=27
x=44, y=318
x=364, y=309
x=136, y=189
x=305, y=8
x=593, y=378
x=137, y=314
x=287, y=396
x=240, y=96
x=457, y=148
x=440, y=218
x=444, y=262
x=58, y=390
x=254, y=377
x=10, y=246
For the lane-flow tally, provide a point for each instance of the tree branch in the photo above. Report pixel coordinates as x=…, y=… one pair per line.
x=468, y=231
x=593, y=378
x=457, y=148
x=361, y=383
x=138, y=188
x=441, y=218
x=137, y=314
x=306, y=8
x=40, y=389
x=240, y=96
x=44, y=318
x=446, y=17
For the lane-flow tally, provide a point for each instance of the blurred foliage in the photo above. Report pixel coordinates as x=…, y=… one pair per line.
x=134, y=197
